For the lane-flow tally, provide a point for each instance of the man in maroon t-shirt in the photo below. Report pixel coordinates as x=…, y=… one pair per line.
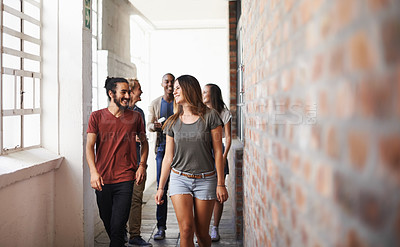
x=114, y=167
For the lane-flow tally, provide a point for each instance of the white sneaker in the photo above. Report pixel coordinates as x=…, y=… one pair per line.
x=215, y=234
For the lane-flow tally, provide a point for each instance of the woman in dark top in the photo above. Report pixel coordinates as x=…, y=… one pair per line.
x=193, y=133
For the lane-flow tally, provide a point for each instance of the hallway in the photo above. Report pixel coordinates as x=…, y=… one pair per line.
x=172, y=234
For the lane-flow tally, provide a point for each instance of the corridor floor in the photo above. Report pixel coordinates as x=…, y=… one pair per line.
x=226, y=227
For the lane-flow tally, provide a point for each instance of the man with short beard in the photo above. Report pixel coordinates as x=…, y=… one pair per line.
x=114, y=167
x=162, y=106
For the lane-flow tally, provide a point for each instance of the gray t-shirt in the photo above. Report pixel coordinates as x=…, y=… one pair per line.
x=193, y=143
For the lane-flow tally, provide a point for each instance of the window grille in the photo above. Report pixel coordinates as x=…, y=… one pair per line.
x=20, y=62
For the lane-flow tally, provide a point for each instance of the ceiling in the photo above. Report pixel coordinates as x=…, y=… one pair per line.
x=175, y=14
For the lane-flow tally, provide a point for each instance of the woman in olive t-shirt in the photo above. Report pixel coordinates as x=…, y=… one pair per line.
x=193, y=132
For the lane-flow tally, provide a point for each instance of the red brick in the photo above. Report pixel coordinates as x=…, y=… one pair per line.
x=304, y=236
x=344, y=12
x=288, y=5
x=336, y=63
x=389, y=147
x=300, y=198
x=375, y=97
x=327, y=25
x=307, y=170
x=284, y=205
x=358, y=148
x=323, y=105
x=373, y=209
x=345, y=107
x=315, y=141
x=296, y=163
x=324, y=180
x=293, y=217
x=397, y=225
x=391, y=40
x=377, y=5
x=332, y=143
x=275, y=215
x=361, y=52
x=398, y=90
x=353, y=239
x=345, y=192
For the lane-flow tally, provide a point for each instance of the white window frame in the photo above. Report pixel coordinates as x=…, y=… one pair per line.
x=240, y=86
x=20, y=73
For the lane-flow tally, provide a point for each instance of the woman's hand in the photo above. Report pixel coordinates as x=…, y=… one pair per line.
x=158, y=196
x=222, y=194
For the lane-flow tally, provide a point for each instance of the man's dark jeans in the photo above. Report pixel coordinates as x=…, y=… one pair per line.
x=114, y=203
x=162, y=209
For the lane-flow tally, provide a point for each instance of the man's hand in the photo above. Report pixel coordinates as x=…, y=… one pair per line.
x=140, y=175
x=96, y=181
x=157, y=125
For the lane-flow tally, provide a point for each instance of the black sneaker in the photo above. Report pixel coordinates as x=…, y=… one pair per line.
x=160, y=234
x=139, y=241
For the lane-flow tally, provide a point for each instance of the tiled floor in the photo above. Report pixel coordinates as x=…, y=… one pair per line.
x=172, y=233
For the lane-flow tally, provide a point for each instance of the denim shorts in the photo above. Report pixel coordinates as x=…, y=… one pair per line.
x=200, y=188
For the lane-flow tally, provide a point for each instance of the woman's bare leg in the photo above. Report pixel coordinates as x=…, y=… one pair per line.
x=218, y=208
x=183, y=205
x=202, y=217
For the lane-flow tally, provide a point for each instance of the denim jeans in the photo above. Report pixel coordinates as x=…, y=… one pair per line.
x=114, y=203
x=162, y=209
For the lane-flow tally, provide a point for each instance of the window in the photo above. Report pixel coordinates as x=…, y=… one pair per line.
x=95, y=63
x=240, y=87
x=20, y=79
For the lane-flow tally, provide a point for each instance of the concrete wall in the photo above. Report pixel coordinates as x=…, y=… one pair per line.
x=115, y=29
x=72, y=185
x=27, y=210
x=48, y=208
x=322, y=137
x=114, y=58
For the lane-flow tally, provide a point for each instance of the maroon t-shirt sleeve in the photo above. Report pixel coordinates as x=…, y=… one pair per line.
x=93, y=126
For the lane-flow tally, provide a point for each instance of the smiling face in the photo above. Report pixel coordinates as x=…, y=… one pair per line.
x=136, y=92
x=168, y=83
x=121, y=96
x=206, y=95
x=178, y=94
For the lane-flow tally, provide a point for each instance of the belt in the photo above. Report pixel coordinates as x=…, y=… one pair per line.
x=203, y=175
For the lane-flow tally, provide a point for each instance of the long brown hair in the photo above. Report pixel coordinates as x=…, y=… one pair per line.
x=216, y=100
x=191, y=92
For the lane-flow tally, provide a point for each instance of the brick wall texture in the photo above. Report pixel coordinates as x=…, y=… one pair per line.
x=233, y=65
x=321, y=160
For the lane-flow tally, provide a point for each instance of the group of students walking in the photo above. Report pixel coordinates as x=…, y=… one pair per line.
x=190, y=155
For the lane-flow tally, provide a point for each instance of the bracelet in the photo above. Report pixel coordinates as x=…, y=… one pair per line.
x=160, y=189
x=221, y=185
x=143, y=165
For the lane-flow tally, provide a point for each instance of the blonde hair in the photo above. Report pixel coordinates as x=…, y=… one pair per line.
x=132, y=82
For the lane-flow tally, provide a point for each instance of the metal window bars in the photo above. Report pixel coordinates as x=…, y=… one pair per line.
x=20, y=64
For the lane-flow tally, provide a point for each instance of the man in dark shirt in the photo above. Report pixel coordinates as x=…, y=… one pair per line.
x=162, y=106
